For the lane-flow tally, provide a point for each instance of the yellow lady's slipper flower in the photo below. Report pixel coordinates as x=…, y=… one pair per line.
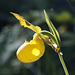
x=30, y=51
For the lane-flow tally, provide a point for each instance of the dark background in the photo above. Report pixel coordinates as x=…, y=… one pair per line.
x=12, y=35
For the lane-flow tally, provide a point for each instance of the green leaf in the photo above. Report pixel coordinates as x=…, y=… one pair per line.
x=44, y=32
x=53, y=29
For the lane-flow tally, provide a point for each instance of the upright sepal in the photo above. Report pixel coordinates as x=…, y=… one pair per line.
x=25, y=23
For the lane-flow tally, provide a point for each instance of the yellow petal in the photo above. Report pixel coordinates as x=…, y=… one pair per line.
x=31, y=51
x=25, y=23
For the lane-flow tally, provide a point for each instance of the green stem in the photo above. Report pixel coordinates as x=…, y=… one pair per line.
x=63, y=64
x=60, y=56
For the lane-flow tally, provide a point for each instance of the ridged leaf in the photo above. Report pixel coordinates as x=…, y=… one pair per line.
x=53, y=29
x=44, y=32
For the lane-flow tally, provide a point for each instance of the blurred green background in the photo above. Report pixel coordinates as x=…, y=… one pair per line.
x=12, y=35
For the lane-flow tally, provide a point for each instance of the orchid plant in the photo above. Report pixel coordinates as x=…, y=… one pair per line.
x=32, y=51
